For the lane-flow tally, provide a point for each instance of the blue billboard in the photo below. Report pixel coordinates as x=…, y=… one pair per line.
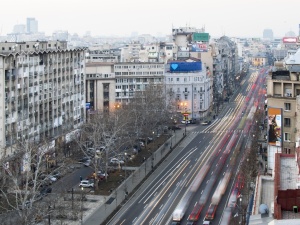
x=185, y=66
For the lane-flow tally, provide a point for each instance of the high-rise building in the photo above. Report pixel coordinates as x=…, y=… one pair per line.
x=19, y=29
x=32, y=25
x=43, y=92
x=268, y=34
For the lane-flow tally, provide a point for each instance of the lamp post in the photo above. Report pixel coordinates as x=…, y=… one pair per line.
x=49, y=221
x=125, y=166
x=81, y=207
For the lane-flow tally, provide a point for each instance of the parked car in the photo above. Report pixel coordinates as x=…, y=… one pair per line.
x=142, y=144
x=149, y=139
x=185, y=121
x=84, y=159
x=86, y=184
x=87, y=163
x=52, y=178
x=101, y=175
x=116, y=161
x=207, y=122
x=57, y=174
x=26, y=205
x=45, y=191
x=175, y=127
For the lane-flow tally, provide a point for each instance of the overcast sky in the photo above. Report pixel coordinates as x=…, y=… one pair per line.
x=239, y=18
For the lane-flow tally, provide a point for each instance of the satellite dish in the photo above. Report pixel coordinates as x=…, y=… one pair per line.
x=263, y=209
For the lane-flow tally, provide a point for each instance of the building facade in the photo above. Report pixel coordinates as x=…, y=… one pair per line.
x=100, y=87
x=43, y=91
x=188, y=86
x=31, y=25
x=134, y=77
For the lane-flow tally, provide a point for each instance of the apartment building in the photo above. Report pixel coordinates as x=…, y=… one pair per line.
x=42, y=92
x=134, y=77
x=283, y=87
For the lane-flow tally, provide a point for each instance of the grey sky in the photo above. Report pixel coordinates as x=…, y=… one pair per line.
x=121, y=17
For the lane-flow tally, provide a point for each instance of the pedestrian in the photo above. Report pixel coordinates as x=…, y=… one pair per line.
x=80, y=178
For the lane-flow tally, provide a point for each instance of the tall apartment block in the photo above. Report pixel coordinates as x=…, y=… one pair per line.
x=31, y=25
x=42, y=92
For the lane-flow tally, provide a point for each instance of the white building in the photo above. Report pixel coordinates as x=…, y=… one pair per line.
x=134, y=77
x=189, y=86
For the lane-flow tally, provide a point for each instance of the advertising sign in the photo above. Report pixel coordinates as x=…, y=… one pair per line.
x=290, y=40
x=185, y=66
x=199, y=47
x=275, y=126
x=201, y=37
x=87, y=105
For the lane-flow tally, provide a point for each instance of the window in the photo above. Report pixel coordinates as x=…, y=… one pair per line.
x=287, y=137
x=287, y=150
x=287, y=106
x=287, y=122
x=177, y=79
x=185, y=89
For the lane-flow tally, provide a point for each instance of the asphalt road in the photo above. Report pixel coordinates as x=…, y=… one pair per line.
x=157, y=201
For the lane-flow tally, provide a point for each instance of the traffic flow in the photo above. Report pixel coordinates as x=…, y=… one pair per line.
x=200, y=181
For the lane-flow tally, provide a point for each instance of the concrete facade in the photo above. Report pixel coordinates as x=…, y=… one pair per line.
x=43, y=86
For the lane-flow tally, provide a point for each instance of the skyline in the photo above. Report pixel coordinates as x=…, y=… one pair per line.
x=232, y=18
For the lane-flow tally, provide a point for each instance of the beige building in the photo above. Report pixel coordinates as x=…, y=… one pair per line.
x=100, y=86
x=282, y=88
x=42, y=91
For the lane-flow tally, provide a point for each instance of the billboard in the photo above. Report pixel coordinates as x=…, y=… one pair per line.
x=201, y=37
x=290, y=40
x=275, y=126
x=185, y=66
x=199, y=47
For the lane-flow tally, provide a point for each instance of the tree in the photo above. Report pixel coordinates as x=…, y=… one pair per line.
x=102, y=136
x=150, y=110
x=22, y=179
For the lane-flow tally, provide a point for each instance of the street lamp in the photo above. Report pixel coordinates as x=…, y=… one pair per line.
x=81, y=208
x=125, y=165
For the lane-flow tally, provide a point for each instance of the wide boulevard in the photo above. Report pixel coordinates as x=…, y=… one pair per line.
x=202, y=150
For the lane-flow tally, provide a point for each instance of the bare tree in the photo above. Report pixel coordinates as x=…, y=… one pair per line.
x=23, y=177
x=149, y=110
x=102, y=137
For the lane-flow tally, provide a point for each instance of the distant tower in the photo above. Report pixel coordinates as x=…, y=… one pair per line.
x=32, y=25
x=268, y=34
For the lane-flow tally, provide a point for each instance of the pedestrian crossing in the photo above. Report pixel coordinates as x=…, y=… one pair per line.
x=216, y=132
